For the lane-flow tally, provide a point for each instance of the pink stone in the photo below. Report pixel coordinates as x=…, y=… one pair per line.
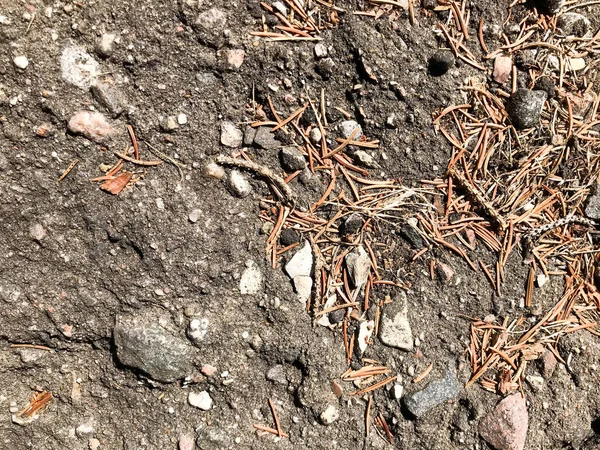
x=505, y=428
x=208, y=370
x=186, y=442
x=502, y=69
x=67, y=330
x=548, y=363
x=235, y=58
x=92, y=125
x=444, y=271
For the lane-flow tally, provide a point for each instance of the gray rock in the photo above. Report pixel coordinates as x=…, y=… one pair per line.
x=110, y=97
x=573, y=24
x=315, y=136
x=231, y=136
x=238, y=184
x=265, y=139
x=249, y=135
x=435, y=393
x=592, y=207
x=362, y=158
x=194, y=215
x=276, y=374
x=352, y=224
x=347, y=127
x=441, y=62
x=37, y=232
x=358, y=263
x=146, y=346
x=525, y=108
x=105, y=45
x=251, y=280
x=395, y=328
x=549, y=6
x=292, y=159
x=320, y=50
x=209, y=27
x=78, y=67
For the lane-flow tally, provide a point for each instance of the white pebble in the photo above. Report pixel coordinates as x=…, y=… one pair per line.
x=200, y=400
x=21, y=62
x=182, y=119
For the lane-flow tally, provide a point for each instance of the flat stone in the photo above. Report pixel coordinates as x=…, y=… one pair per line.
x=347, y=127
x=358, y=263
x=365, y=331
x=276, y=374
x=200, y=400
x=249, y=135
x=292, y=159
x=363, y=158
x=146, y=346
x=235, y=58
x=505, y=428
x=91, y=125
x=37, y=232
x=265, y=139
x=395, y=330
x=289, y=236
x=434, y=394
x=502, y=69
x=251, y=280
x=238, y=184
x=110, y=97
x=231, y=136
x=548, y=364
x=301, y=263
x=303, y=287
x=525, y=108
x=78, y=67
x=410, y=234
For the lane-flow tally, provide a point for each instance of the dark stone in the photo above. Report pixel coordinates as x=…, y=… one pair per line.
x=337, y=316
x=547, y=85
x=525, y=108
x=573, y=24
x=411, y=236
x=441, y=62
x=525, y=59
x=308, y=118
x=548, y=6
x=265, y=139
x=249, y=135
x=333, y=115
x=352, y=224
x=325, y=68
x=428, y=4
x=292, y=159
x=289, y=236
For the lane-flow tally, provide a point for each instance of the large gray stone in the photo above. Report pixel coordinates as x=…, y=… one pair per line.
x=525, y=108
x=435, y=393
x=144, y=345
x=264, y=138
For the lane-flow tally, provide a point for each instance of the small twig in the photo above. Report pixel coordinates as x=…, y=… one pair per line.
x=139, y=162
x=67, y=170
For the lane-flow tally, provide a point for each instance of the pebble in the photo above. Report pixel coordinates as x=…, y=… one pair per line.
x=37, y=232
x=397, y=391
x=347, y=127
x=146, y=346
x=358, y=263
x=276, y=374
x=410, y=234
x=251, y=280
x=231, y=136
x=111, y=98
x=592, y=206
x=502, y=69
x=315, y=136
x=21, y=62
x=548, y=364
x=93, y=444
x=200, y=400
x=182, y=119
x=365, y=331
x=434, y=394
x=441, y=62
x=186, y=442
x=573, y=24
x=265, y=139
x=292, y=159
x=505, y=428
x=444, y=272
x=85, y=429
x=214, y=170
x=337, y=316
x=395, y=330
x=208, y=370
x=363, y=158
x=299, y=269
x=281, y=8
x=235, y=58
x=105, y=45
x=197, y=330
x=238, y=184
x=92, y=125
x=325, y=68
x=536, y=382
x=330, y=415
x=194, y=215
x=170, y=124
x=546, y=84
x=352, y=224
x=289, y=236
x=78, y=67
x=525, y=108
x=320, y=50
x=249, y=135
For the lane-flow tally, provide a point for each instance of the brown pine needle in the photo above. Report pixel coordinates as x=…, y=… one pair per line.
x=139, y=162
x=67, y=170
x=373, y=386
x=134, y=142
x=423, y=374
x=276, y=418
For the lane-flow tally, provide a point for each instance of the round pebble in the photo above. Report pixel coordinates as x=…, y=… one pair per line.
x=441, y=62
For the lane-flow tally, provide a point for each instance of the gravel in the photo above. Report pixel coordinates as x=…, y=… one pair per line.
x=330, y=415
x=292, y=159
x=525, y=108
x=110, y=97
x=347, y=127
x=21, y=62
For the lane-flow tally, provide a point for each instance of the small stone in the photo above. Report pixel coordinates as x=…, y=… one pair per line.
x=444, y=272
x=337, y=316
x=231, y=136
x=549, y=7
x=265, y=139
x=412, y=236
x=303, y=287
x=301, y=263
x=365, y=332
x=251, y=280
x=37, y=232
x=105, y=45
x=592, y=206
x=502, y=69
x=78, y=67
x=292, y=159
x=182, y=119
x=91, y=125
x=362, y=158
x=186, y=442
x=194, y=215
x=21, y=62
x=434, y=394
x=267, y=228
x=170, y=124
x=330, y=415
x=276, y=374
x=536, y=382
x=208, y=370
x=546, y=84
x=542, y=279
x=325, y=68
x=347, y=127
x=391, y=122
x=397, y=391
x=395, y=330
x=111, y=98
x=337, y=389
x=197, y=330
x=281, y=8
x=249, y=135
x=214, y=170
x=200, y=400
x=238, y=184
x=320, y=51
x=358, y=263
x=441, y=62
x=147, y=347
x=548, y=364
x=505, y=428
x=289, y=236
x=315, y=136
x=525, y=108
x=577, y=64
x=352, y=224
x=93, y=444
x=235, y=58
x=84, y=429
x=573, y=24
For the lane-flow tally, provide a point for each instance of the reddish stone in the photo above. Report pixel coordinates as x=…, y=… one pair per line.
x=44, y=130
x=548, y=363
x=505, y=428
x=502, y=69
x=208, y=370
x=92, y=125
x=444, y=272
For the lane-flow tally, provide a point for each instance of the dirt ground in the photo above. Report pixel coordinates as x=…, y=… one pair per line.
x=77, y=260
